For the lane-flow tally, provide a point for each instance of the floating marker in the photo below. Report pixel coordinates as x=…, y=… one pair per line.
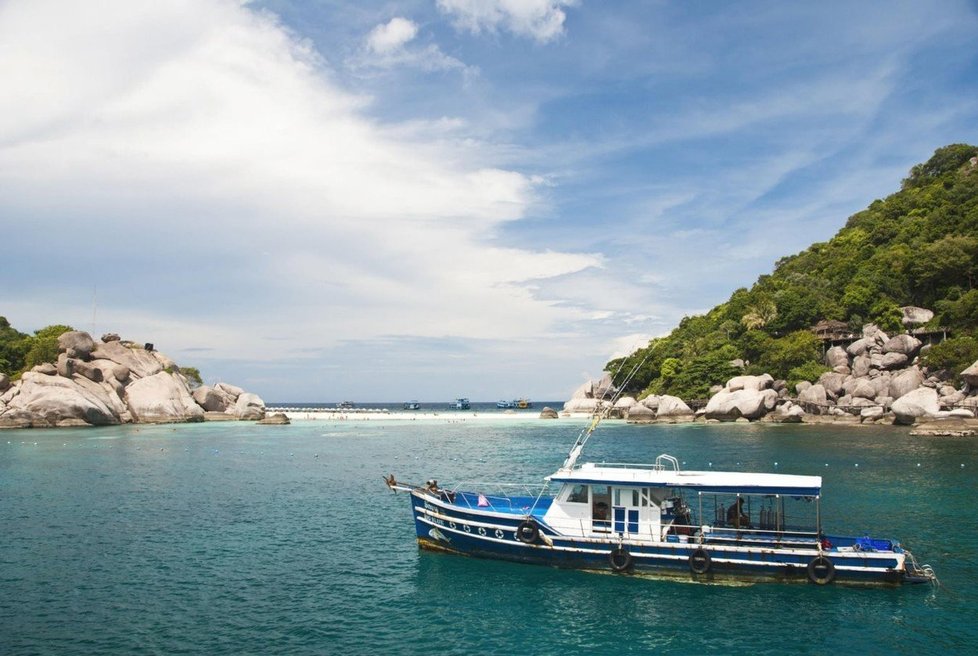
x=918, y=464
x=857, y=464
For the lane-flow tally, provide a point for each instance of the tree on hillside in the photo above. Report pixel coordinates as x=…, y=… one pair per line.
x=13, y=348
x=43, y=346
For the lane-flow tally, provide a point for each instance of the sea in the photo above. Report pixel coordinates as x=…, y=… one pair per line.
x=234, y=538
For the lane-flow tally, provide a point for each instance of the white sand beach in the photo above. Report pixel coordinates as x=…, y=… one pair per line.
x=384, y=414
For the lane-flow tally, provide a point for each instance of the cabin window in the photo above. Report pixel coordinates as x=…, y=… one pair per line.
x=578, y=494
x=626, y=498
x=646, y=497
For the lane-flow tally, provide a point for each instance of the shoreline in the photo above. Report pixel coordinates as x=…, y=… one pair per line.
x=384, y=414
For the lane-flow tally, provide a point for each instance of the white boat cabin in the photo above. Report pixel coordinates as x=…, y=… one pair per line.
x=650, y=502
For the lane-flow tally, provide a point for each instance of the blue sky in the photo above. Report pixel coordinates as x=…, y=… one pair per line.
x=323, y=200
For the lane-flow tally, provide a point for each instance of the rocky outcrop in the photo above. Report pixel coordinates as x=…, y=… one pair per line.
x=640, y=414
x=921, y=402
x=744, y=397
x=915, y=316
x=672, y=406
x=113, y=382
x=953, y=427
x=591, y=395
x=162, y=398
x=277, y=419
x=969, y=375
x=548, y=413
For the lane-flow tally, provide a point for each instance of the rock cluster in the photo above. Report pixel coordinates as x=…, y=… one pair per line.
x=113, y=382
x=876, y=379
x=662, y=408
x=591, y=395
x=879, y=377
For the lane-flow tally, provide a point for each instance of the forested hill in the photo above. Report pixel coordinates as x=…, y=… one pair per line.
x=918, y=247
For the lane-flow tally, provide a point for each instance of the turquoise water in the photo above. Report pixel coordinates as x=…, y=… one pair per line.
x=243, y=539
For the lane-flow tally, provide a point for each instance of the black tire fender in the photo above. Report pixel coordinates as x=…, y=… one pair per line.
x=821, y=571
x=700, y=561
x=528, y=531
x=620, y=559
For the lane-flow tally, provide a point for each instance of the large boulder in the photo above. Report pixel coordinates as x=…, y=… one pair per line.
x=652, y=402
x=788, y=413
x=139, y=362
x=76, y=344
x=836, y=357
x=162, y=398
x=832, y=382
x=905, y=381
x=249, y=407
x=234, y=391
x=755, y=383
x=871, y=413
x=548, y=413
x=625, y=402
x=914, y=316
x=864, y=389
x=861, y=365
x=4, y=383
x=873, y=332
x=51, y=399
x=581, y=405
x=860, y=346
x=639, y=413
x=815, y=398
x=212, y=399
x=970, y=375
x=905, y=344
x=110, y=369
x=920, y=402
x=672, y=406
x=730, y=406
x=894, y=360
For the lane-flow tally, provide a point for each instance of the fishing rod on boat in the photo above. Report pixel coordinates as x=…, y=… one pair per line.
x=601, y=411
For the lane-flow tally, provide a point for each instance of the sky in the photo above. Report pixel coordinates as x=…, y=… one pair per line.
x=425, y=199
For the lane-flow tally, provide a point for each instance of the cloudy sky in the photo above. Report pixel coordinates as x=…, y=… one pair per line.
x=382, y=200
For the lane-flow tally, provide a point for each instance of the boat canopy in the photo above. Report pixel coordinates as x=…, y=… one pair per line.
x=698, y=481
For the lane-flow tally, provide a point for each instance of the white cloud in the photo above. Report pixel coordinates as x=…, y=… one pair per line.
x=541, y=20
x=388, y=46
x=202, y=167
x=392, y=35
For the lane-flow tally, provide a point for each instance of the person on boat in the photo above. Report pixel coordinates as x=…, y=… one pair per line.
x=736, y=516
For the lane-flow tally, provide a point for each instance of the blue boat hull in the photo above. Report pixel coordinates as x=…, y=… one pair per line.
x=443, y=525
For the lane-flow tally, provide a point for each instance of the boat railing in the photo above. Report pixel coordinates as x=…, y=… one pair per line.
x=496, y=496
x=729, y=534
x=662, y=463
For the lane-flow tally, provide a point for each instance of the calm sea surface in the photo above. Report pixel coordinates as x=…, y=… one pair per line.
x=244, y=539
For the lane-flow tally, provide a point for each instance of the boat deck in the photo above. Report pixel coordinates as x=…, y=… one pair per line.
x=514, y=505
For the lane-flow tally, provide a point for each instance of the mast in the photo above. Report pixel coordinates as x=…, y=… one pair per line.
x=601, y=412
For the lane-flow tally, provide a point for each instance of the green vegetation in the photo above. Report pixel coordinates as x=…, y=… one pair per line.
x=918, y=246
x=19, y=352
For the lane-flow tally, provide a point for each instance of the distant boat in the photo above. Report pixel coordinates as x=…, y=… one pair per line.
x=523, y=404
x=461, y=404
x=346, y=405
x=503, y=405
x=412, y=405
